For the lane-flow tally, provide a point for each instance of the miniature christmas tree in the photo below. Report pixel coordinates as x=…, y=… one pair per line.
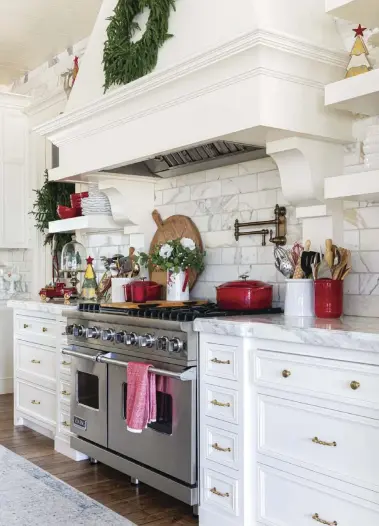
x=89, y=288
x=358, y=62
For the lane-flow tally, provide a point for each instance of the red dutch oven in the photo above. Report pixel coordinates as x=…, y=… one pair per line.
x=142, y=291
x=244, y=295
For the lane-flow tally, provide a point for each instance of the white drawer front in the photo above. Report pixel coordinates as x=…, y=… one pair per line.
x=221, y=447
x=36, y=329
x=220, y=491
x=221, y=361
x=35, y=359
x=64, y=421
x=65, y=391
x=35, y=401
x=327, y=378
x=285, y=500
x=331, y=442
x=222, y=403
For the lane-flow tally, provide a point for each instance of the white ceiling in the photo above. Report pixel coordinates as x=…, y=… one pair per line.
x=32, y=31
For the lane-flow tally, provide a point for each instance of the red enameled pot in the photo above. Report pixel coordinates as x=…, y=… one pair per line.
x=142, y=291
x=244, y=295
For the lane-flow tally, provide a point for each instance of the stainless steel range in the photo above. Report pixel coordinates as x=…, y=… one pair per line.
x=165, y=454
x=102, y=342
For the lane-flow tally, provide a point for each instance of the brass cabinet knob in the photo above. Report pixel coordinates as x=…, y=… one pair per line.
x=218, y=493
x=317, y=518
x=35, y=402
x=44, y=329
x=355, y=385
x=65, y=424
x=286, y=373
x=26, y=325
x=65, y=393
x=65, y=363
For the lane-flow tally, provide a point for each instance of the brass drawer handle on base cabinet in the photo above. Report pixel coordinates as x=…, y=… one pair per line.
x=218, y=493
x=222, y=449
x=65, y=393
x=35, y=402
x=36, y=361
x=316, y=518
x=65, y=424
x=26, y=326
x=44, y=329
x=316, y=440
x=216, y=360
x=355, y=385
x=220, y=404
x=65, y=363
x=286, y=373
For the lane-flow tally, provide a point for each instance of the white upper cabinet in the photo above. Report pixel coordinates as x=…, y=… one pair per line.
x=13, y=171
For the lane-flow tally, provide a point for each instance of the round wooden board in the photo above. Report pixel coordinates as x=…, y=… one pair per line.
x=174, y=227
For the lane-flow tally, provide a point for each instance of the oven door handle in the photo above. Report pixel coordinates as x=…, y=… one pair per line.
x=76, y=354
x=186, y=376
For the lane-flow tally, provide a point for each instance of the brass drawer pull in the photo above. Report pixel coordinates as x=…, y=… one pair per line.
x=65, y=363
x=316, y=518
x=35, y=402
x=65, y=424
x=315, y=440
x=44, y=329
x=65, y=393
x=220, y=404
x=36, y=361
x=218, y=493
x=286, y=373
x=355, y=385
x=26, y=326
x=216, y=360
x=222, y=449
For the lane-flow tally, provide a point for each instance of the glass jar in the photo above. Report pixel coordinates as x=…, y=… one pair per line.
x=73, y=258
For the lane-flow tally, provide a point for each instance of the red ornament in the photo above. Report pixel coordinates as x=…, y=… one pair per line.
x=89, y=260
x=359, y=31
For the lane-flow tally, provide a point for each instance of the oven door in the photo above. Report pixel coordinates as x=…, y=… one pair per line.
x=169, y=445
x=89, y=395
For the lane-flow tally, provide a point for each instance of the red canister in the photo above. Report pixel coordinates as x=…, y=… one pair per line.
x=328, y=298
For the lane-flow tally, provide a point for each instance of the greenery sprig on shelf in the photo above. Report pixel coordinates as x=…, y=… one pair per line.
x=45, y=208
x=124, y=60
x=175, y=255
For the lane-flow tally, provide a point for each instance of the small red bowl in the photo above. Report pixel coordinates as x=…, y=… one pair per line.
x=64, y=212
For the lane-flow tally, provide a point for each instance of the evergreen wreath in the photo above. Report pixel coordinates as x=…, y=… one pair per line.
x=124, y=60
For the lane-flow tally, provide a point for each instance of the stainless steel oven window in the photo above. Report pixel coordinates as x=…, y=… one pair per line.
x=87, y=389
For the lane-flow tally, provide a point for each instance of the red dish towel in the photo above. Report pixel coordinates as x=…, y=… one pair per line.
x=141, y=399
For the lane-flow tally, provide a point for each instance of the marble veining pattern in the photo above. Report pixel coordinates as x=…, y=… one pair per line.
x=39, y=306
x=349, y=332
x=29, y=495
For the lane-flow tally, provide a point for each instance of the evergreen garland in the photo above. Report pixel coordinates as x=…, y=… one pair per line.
x=124, y=60
x=45, y=208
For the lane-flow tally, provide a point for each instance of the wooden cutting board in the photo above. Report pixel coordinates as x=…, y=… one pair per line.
x=174, y=227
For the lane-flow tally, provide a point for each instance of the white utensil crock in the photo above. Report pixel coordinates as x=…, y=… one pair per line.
x=299, y=297
x=175, y=286
x=118, y=295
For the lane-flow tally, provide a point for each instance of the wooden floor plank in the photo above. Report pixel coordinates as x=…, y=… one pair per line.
x=143, y=505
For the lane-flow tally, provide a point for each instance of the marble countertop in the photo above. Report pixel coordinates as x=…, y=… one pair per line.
x=349, y=332
x=39, y=306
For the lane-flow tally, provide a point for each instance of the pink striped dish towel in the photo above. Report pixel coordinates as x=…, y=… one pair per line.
x=141, y=398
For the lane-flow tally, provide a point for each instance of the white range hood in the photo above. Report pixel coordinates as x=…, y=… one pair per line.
x=250, y=72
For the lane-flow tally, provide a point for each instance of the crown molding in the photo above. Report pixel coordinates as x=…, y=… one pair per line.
x=279, y=41
x=14, y=100
x=44, y=103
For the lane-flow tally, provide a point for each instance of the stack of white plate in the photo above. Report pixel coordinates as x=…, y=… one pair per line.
x=371, y=148
x=97, y=203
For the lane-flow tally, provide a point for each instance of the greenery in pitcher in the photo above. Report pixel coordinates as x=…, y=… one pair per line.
x=175, y=255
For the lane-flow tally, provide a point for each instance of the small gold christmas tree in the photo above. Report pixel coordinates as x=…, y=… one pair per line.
x=89, y=288
x=358, y=62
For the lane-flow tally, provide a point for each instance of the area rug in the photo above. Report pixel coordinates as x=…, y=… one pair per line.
x=29, y=496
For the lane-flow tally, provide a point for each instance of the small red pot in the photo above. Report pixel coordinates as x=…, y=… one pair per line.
x=244, y=295
x=328, y=298
x=142, y=291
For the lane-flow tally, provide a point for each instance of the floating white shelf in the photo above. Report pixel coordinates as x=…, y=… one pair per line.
x=356, y=94
x=93, y=223
x=353, y=187
x=363, y=12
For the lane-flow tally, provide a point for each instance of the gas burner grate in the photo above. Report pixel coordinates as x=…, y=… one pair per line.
x=185, y=313
x=89, y=307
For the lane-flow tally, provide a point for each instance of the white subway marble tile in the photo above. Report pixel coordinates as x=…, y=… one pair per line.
x=202, y=223
x=351, y=284
x=190, y=208
x=369, y=217
x=176, y=195
x=215, y=223
x=220, y=273
x=106, y=251
x=213, y=256
x=368, y=284
x=259, y=165
x=204, y=290
x=269, y=180
x=369, y=239
x=97, y=240
x=224, y=172
x=257, y=200
x=263, y=273
x=361, y=305
x=219, y=239
x=164, y=184
x=191, y=179
x=351, y=239
x=265, y=255
x=206, y=190
x=231, y=256
x=240, y=185
x=249, y=255
x=137, y=241
x=158, y=197
x=167, y=211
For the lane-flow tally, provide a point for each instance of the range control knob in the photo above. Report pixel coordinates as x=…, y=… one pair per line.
x=107, y=335
x=175, y=345
x=120, y=337
x=93, y=332
x=69, y=330
x=147, y=340
x=131, y=339
x=78, y=330
x=162, y=343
